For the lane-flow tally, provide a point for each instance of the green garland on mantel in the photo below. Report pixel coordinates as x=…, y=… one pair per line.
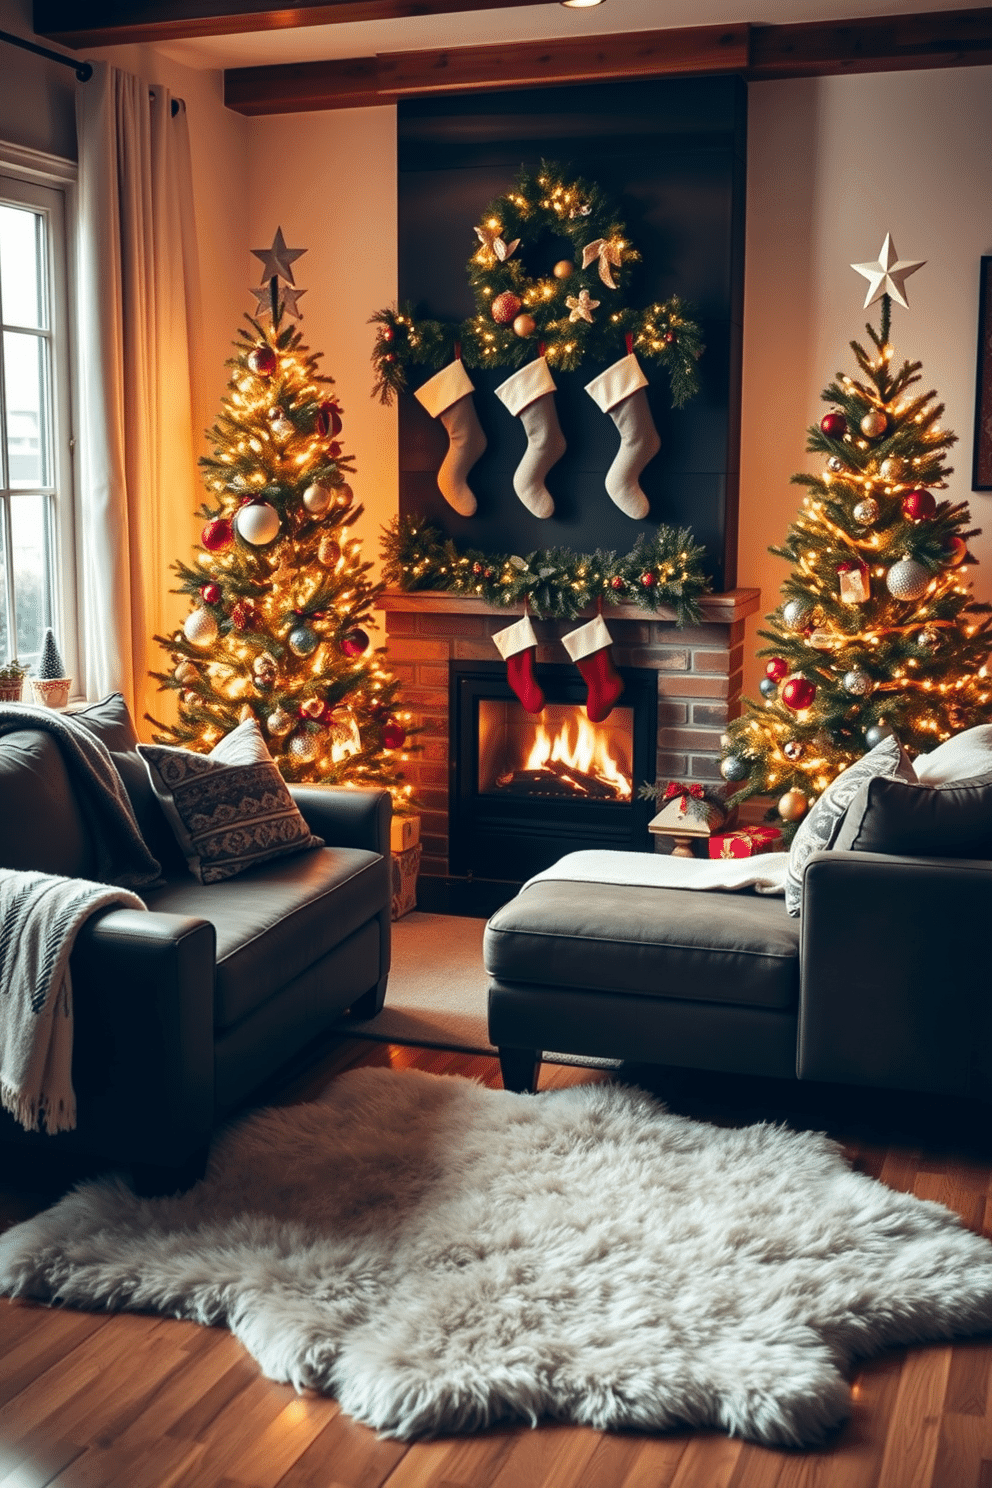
x=660, y=571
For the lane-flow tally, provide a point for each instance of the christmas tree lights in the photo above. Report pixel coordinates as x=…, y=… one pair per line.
x=877, y=633
x=280, y=598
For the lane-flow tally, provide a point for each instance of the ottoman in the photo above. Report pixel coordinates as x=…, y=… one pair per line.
x=706, y=980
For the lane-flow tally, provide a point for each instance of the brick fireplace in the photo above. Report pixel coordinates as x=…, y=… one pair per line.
x=698, y=671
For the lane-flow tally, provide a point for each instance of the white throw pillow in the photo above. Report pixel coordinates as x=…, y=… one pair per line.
x=967, y=756
x=819, y=831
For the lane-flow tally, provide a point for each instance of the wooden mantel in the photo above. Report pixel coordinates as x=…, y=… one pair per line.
x=717, y=609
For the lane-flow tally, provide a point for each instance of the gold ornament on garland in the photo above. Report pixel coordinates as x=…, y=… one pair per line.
x=557, y=296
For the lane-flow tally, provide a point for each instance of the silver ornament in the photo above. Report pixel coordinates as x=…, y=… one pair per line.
x=768, y=687
x=857, y=683
x=792, y=749
x=303, y=640
x=317, y=498
x=281, y=429
x=257, y=524
x=835, y=464
x=732, y=767
x=303, y=747
x=200, y=627
x=264, y=662
x=279, y=722
x=874, y=423
x=797, y=613
x=820, y=640
x=928, y=638
x=891, y=468
x=867, y=511
x=907, y=579
x=877, y=733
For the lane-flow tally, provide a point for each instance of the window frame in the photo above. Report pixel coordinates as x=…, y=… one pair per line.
x=47, y=184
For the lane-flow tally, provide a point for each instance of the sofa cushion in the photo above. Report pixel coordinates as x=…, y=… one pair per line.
x=819, y=831
x=934, y=821
x=230, y=809
x=967, y=756
x=110, y=722
x=41, y=826
x=274, y=922
x=727, y=948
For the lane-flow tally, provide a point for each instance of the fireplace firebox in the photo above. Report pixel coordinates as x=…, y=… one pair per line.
x=528, y=788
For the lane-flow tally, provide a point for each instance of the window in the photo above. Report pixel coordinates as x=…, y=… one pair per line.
x=36, y=547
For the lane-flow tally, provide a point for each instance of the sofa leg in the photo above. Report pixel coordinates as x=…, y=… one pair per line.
x=520, y=1068
x=160, y=1180
x=370, y=1002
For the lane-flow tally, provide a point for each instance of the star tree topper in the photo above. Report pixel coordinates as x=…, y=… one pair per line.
x=889, y=275
x=288, y=299
x=277, y=261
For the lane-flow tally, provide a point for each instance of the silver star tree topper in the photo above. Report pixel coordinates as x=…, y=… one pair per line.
x=889, y=275
x=277, y=261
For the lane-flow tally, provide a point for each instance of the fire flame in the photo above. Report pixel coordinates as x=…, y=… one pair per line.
x=588, y=751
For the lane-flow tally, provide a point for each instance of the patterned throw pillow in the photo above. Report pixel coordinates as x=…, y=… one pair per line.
x=230, y=809
x=819, y=831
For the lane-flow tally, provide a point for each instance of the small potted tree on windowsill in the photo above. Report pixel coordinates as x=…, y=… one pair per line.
x=12, y=676
x=51, y=686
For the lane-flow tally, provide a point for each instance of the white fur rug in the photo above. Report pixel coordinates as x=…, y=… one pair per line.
x=440, y=1256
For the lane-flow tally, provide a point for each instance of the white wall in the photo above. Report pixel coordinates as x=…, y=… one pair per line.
x=834, y=164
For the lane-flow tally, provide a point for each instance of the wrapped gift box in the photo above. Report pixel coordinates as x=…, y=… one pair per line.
x=746, y=842
x=406, y=865
x=404, y=833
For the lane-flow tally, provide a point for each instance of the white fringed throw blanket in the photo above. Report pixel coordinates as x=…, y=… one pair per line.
x=40, y=916
x=765, y=874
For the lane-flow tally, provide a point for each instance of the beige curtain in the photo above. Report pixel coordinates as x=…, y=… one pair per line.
x=137, y=300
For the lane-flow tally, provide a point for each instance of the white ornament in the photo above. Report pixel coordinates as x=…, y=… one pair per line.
x=317, y=498
x=907, y=579
x=200, y=628
x=889, y=275
x=258, y=523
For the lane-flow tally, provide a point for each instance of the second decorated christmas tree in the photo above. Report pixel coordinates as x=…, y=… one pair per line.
x=877, y=633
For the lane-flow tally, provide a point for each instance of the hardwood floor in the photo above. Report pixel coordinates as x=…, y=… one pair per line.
x=93, y=1401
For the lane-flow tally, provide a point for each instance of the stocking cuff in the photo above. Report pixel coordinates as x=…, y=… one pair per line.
x=444, y=388
x=591, y=637
x=616, y=383
x=525, y=386
x=516, y=637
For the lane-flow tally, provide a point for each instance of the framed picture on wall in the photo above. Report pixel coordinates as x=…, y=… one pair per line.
x=982, y=472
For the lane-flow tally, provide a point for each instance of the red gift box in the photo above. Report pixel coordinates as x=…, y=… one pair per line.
x=746, y=842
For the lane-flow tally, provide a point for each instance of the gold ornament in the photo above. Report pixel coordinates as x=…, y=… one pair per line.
x=317, y=498
x=867, y=511
x=891, y=468
x=303, y=747
x=328, y=551
x=563, y=269
x=792, y=749
x=491, y=239
x=187, y=673
x=874, y=423
x=581, y=307
x=279, y=722
x=524, y=326
x=793, y=806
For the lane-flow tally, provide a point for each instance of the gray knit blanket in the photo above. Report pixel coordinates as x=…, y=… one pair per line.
x=40, y=916
x=120, y=854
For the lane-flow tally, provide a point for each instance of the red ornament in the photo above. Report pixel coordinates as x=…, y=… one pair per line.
x=217, y=534
x=243, y=614
x=334, y=449
x=354, y=642
x=504, y=307
x=617, y=582
x=648, y=580
x=394, y=735
x=918, y=504
x=477, y=568
x=210, y=593
x=263, y=361
x=328, y=420
x=798, y=693
x=777, y=668
x=669, y=337
x=957, y=552
x=390, y=356
x=388, y=333
x=834, y=425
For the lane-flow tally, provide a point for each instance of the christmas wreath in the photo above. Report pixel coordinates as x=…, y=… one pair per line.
x=660, y=571
x=573, y=307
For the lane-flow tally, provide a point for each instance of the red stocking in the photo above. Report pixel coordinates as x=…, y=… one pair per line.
x=589, y=648
x=517, y=645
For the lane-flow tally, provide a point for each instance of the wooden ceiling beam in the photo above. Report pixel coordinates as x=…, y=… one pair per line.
x=808, y=49
x=114, y=22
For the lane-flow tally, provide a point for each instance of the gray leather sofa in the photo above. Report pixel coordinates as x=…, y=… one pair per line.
x=882, y=982
x=183, y=1012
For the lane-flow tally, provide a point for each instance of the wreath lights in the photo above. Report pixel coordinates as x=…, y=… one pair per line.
x=663, y=570
x=573, y=310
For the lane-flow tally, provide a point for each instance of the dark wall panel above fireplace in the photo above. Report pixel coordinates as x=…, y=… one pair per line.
x=672, y=152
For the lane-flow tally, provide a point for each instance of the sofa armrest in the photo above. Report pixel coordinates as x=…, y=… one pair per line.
x=143, y=1057
x=894, y=973
x=346, y=818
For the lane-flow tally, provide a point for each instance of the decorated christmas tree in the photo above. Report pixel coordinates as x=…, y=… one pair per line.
x=877, y=633
x=279, y=595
